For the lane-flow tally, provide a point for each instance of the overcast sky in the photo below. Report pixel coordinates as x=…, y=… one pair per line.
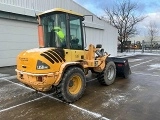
x=150, y=8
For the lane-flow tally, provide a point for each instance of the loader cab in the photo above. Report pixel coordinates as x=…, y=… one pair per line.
x=61, y=28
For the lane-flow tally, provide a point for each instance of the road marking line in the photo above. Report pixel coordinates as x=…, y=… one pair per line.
x=146, y=74
x=3, y=75
x=92, y=80
x=142, y=63
x=97, y=115
x=21, y=104
x=45, y=95
x=9, y=77
x=18, y=84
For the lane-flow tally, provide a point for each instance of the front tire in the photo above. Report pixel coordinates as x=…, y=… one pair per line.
x=72, y=85
x=107, y=77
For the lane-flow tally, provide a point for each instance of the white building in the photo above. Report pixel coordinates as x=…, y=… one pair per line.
x=18, y=27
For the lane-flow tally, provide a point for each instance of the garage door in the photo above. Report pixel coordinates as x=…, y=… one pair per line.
x=15, y=36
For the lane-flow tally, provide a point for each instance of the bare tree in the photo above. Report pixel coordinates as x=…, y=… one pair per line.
x=123, y=16
x=152, y=32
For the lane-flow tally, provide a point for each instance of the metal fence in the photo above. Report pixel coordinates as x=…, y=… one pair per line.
x=144, y=47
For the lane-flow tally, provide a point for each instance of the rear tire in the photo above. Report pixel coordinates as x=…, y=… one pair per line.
x=107, y=77
x=72, y=85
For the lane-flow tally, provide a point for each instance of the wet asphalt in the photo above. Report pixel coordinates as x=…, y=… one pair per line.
x=134, y=98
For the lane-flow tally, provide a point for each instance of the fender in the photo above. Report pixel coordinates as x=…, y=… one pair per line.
x=63, y=67
x=102, y=64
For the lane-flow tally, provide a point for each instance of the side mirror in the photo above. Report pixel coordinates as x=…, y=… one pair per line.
x=98, y=46
x=83, y=18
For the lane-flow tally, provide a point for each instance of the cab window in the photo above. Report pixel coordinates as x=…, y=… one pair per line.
x=54, y=26
x=76, y=41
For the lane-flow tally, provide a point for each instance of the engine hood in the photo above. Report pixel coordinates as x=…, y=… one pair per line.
x=39, y=60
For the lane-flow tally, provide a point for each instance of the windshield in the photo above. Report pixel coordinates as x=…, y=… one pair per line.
x=54, y=27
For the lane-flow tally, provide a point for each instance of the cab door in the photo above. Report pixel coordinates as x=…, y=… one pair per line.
x=76, y=38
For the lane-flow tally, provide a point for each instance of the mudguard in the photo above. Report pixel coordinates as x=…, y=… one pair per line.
x=122, y=66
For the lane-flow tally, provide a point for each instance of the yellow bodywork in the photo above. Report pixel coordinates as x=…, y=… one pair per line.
x=29, y=74
x=60, y=10
x=43, y=79
x=42, y=68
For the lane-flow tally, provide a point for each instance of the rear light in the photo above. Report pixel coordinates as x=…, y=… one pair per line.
x=39, y=78
x=119, y=65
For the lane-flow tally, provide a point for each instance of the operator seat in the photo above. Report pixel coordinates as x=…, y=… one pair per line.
x=74, y=43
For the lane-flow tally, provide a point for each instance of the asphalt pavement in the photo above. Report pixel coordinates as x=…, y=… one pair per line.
x=134, y=98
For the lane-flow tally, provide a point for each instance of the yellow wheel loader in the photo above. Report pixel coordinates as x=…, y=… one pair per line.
x=61, y=60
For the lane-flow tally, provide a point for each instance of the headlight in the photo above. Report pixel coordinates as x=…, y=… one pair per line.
x=41, y=65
